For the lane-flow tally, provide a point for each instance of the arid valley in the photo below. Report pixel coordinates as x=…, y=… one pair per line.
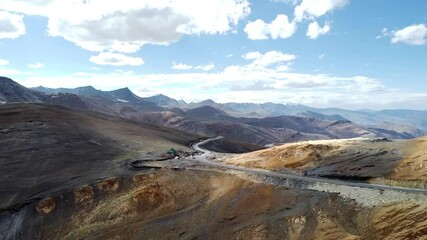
x=72, y=168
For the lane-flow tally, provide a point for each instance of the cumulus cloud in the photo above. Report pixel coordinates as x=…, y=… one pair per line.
x=121, y=31
x=314, y=30
x=413, y=35
x=311, y=9
x=125, y=26
x=252, y=55
x=280, y=27
x=269, y=59
x=183, y=66
x=3, y=62
x=36, y=65
x=115, y=59
x=206, y=67
x=257, y=30
x=11, y=25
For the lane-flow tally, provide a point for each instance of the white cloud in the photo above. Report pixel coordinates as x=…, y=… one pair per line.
x=3, y=62
x=206, y=67
x=126, y=25
x=257, y=30
x=9, y=72
x=121, y=31
x=293, y=2
x=183, y=66
x=240, y=84
x=314, y=30
x=269, y=59
x=11, y=25
x=280, y=27
x=261, y=80
x=311, y=9
x=384, y=33
x=321, y=56
x=115, y=59
x=413, y=35
x=36, y=65
x=252, y=55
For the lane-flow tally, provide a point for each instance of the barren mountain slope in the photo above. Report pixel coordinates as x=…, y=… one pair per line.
x=352, y=158
x=11, y=91
x=45, y=148
x=207, y=205
x=233, y=131
x=413, y=166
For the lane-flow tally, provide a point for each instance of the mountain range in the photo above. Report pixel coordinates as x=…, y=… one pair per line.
x=254, y=124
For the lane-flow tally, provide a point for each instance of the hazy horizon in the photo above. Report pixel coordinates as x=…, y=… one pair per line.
x=205, y=99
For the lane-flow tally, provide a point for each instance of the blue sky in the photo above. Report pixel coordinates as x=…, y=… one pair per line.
x=323, y=53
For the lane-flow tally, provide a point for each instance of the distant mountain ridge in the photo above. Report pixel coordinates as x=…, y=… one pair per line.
x=334, y=117
x=416, y=118
x=121, y=95
x=164, y=101
x=87, y=90
x=239, y=122
x=207, y=112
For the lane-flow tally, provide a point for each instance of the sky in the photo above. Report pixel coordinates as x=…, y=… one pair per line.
x=353, y=54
